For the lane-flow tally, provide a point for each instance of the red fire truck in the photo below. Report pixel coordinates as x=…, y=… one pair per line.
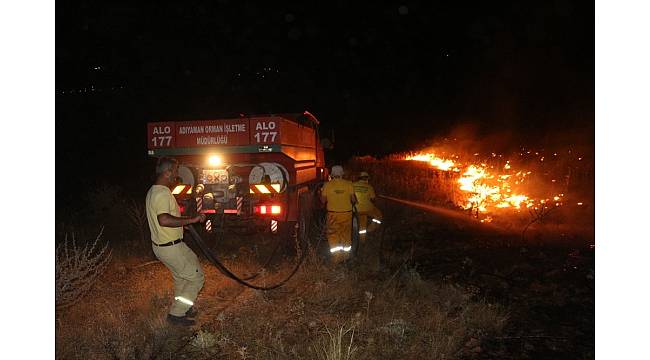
x=260, y=170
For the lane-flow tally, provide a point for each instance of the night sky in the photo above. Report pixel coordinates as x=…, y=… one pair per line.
x=381, y=76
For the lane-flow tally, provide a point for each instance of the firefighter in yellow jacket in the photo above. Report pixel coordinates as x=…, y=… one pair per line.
x=338, y=194
x=166, y=225
x=369, y=215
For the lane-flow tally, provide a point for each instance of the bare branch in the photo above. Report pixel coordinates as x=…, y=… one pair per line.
x=537, y=214
x=78, y=268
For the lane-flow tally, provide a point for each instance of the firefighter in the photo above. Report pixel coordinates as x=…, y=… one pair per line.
x=338, y=194
x=166, y=225
x=369, y=219
x=369, y=215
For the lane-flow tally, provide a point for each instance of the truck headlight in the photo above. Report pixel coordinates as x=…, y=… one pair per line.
x=214, y=160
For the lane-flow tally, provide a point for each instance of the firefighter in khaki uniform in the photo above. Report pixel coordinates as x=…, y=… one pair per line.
x=339, y=196
x=166, y=225
x=369, y=215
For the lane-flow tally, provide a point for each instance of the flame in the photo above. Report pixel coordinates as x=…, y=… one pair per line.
x=475, y=181
x=483, y=190
x=439, y=163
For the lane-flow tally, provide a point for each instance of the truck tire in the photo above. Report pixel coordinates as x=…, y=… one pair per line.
x=297, y=234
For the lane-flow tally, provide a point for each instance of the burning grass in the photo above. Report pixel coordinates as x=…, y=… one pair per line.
x=525, y=192
x=488, y=183
x=323, y=312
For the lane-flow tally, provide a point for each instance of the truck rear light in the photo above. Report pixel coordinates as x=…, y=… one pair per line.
x=267, y=209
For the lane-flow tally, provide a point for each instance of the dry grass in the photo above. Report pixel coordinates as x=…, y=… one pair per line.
x=417, y=181
x=323, y=312
x=410, y=180
x=337, y=344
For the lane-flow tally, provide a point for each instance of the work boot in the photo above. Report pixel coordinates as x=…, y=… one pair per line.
x=191, y=312
x=180, y=320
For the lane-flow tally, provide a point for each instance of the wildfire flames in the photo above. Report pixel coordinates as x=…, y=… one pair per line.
x=483, y=189
x=435, y=161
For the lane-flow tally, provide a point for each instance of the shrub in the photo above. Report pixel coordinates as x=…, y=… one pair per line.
x=78, y=268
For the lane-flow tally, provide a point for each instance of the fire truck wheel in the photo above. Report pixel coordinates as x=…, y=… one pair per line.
x=296, y=234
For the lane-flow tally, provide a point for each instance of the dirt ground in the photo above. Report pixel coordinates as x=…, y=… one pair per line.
x=545, y=280
x=431, y=288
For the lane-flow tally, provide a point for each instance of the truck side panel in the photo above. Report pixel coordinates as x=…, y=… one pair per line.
x=297, y=135
x=305, y=175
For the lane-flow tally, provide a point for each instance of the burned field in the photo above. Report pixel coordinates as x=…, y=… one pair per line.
x=428, y=285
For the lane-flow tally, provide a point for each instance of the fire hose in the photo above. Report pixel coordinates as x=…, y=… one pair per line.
x=225, y=271
x=266, y=263
x=243, y=281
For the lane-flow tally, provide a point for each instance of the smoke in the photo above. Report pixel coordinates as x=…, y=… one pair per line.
x=468, y=138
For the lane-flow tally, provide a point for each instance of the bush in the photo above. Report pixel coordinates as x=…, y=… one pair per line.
x=78, y=268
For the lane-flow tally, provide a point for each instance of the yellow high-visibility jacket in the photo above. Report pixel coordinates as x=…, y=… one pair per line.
x=337, y=192
x=365, y=193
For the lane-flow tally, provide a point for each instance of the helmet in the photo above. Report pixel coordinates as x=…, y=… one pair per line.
x=364, y=174
x=337, y=170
